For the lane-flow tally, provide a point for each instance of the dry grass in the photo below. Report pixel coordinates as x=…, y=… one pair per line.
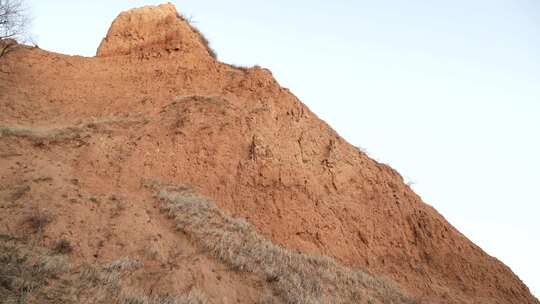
x=243, y=68
x=205, y=42
x=295, y=278
x=40, y=133
x=104, y=285
x=124, y=264
x=193, y=297
x=19, y=192
x=202, y=38
x=23, y=273
x=30, y=274
x=37, y=221
x=62, y=246
x=178, y=100
x=200, y=98
x=43, y=133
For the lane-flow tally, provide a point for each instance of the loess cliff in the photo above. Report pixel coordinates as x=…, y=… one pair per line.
x=182, y=176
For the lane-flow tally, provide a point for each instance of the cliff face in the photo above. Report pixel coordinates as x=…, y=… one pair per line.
x=155, y=105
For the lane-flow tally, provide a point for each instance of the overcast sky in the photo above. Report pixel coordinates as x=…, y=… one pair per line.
x=446, y=92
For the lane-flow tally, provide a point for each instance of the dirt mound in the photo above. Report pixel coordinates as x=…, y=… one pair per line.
x=152, y=29
x=81, y=137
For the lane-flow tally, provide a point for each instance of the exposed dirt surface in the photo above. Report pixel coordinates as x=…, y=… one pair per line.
x=80, y=138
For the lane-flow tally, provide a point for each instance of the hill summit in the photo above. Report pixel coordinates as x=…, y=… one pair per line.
x=153, y=28
x=153, y=172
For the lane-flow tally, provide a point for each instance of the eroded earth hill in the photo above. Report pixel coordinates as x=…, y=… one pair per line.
x=169, y=173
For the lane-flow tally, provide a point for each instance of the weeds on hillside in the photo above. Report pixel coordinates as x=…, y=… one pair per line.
x=23, y=274
x=243, y=68
x=125, y=264
x=295, y=278
x=202, y=38
x=193, y=297
x=19, y=192
x=37, y=221
x=62, y=246
x=38, y=134
x=30, y=274
x=197, y=98
x=200, y=98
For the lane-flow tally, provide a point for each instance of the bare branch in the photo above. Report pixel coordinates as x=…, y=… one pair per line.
x=14, y=19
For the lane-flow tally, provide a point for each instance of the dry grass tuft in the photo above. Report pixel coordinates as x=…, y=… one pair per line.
x=242, y=68
x=62, y=246
x=193, y=297
x=295, y=278
x=200, y=98
x=39, y=134
x=30, y=274
x=19, y=192
x=37, y=221
x=124, y=264
x=23, y=274
x=202, y=38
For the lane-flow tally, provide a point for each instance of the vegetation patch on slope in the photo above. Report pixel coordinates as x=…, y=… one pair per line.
x=37, y=133
x=200, y=35
x=31, y=274
x=294, y=277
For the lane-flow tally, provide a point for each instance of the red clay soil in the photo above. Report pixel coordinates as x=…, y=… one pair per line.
x=159, y=106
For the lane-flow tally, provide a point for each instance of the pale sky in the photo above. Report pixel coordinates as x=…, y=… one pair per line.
x=446, y=92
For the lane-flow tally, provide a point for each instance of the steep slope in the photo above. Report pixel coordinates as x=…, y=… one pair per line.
x=155, y=105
